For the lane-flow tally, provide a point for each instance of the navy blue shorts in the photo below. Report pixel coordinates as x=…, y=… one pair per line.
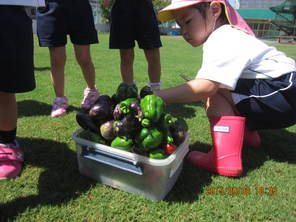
x=16, y=50
x=62, y=17
x=134, y=20
x=268, y=103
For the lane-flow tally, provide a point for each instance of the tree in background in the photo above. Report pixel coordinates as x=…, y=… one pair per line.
x=105, y=12
x=160, y=4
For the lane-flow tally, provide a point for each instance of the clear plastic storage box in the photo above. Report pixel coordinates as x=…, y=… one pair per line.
x=128, y=171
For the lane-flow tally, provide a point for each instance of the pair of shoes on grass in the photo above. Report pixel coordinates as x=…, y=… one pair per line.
x=60, y=104
x=11, y=159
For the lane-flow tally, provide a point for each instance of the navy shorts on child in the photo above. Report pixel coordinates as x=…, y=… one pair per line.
x=62, y=17
x=267, y=103
x=134, y=20
x=16, y=54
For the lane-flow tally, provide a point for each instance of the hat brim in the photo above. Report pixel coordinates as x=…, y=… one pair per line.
x=166, y=14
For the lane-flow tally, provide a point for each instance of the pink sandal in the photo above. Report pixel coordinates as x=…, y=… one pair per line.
x=59, y=106
x=89, y=98
x=10, y=162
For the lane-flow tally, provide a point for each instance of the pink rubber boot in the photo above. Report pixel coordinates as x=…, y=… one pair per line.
x=252, y=138
x=227, y=138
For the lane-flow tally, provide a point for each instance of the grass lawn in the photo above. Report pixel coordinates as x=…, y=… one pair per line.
x=51, y=188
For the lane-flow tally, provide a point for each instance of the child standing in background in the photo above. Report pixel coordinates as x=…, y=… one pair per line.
x=242, y=81
x=16, y=76
x=135, y=20
x=54, y=23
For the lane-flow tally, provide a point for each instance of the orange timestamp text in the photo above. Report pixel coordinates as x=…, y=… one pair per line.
x=259, y=190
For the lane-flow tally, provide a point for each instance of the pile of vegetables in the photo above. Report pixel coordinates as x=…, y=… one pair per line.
x=133, y=122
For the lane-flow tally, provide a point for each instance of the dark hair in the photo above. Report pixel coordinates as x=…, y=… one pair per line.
x=201, y=7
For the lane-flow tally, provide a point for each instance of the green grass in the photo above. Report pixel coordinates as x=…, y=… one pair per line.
x=51, y=188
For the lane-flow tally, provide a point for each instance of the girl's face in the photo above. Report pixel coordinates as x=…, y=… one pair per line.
x=195, y=28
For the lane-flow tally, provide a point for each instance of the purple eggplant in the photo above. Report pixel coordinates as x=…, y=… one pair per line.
x=136, y=110
x=146, y=90
x=85, y=122
x=101, y=112
x=117, y=113
x=104, y=99
x=132, y=123
x=115, y=99
x=128, y=126
x=107, y=130
x=120, y=129
x=178, y=131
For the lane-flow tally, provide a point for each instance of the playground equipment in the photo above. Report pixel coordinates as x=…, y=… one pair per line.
x=285, y=19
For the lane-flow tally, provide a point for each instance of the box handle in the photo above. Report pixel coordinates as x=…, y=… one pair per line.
x=112, y=160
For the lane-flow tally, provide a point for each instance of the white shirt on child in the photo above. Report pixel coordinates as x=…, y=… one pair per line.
x=230, y=54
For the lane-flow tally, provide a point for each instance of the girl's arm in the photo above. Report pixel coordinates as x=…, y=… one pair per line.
x=192, y=91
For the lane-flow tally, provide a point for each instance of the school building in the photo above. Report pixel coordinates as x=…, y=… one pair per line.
x=267, y=18
x=258, y=4
x=270, y=18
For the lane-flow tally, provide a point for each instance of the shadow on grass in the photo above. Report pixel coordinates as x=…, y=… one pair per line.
x=59, y=183
x=41, y=68
x=36, y=108
x=192, y=180
x=277, y=145
x=183, y=110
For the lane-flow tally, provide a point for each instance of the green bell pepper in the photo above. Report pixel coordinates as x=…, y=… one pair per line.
x=125, y=90
x=124, y=106
x=157, y=154
x=145, y=122
x=149, y=139
x=169, y=137
x=166, y=121
x=123, y=143
x=152, y=107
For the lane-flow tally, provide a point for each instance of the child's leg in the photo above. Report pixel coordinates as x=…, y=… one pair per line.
x=58, y=61
x=148, y=38
x=154, y=67
x=16, y=76
x=220, y=104
x=223, y=105
x=126, y=65
x=83, y=57
x=10, y=154
x=8, y=112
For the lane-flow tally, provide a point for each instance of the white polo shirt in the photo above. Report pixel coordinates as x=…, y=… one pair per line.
x=230, y=54
x=35, y=3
